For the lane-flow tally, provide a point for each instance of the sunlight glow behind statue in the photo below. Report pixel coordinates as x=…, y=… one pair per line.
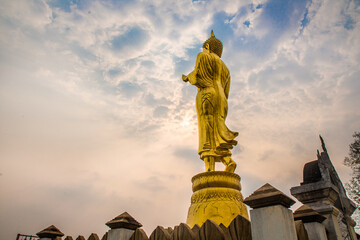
x=212, y=78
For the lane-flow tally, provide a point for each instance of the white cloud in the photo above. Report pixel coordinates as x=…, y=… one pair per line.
x=300, y=90
x=34, y=14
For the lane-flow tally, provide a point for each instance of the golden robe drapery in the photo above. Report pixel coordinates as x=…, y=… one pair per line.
x=212, y=78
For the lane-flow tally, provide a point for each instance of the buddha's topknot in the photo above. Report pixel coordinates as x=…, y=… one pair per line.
x=215, y=45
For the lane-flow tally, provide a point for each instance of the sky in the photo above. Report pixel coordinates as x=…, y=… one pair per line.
x=95, y=119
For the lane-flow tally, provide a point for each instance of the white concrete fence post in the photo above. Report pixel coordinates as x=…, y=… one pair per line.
x=122, y=227
x=312, y=222
x=50, y=233
x=270, y=217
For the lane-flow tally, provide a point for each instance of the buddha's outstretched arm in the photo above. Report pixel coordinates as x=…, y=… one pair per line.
x=191, y=77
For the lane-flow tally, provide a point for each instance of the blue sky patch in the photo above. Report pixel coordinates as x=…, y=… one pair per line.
x=133, y=37
x=350, y=23
x=305, y=21
x=84, y=53
x=221, y=25
x=284, y=13
x=64, y=5
x=115, y=72
x=183, y=66
x=247, y=23
x=129, y=89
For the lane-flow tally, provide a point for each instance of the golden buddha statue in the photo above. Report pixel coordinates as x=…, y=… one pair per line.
x=212, y=78
x=216, y=194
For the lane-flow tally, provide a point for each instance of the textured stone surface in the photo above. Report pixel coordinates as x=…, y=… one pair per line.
x=50, y=232
x=225, y=231
x=311, y=172
x=139, y=234
x=169, y=230
x=316, y=231
x=301, y=231
x=160, y=233
x=323, y=191
x=120, y=234
x=211, y=231
x=307, y=214
x=183, y=232
x=124, y=220
x=93, y=236
x=273, y=222
x=196, y=229
x=105, y=236
x=240, y=229
x=267, y=195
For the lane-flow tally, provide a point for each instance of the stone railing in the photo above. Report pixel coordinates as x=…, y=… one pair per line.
x=271, y=219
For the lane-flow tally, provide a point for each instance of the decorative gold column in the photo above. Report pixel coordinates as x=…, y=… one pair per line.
x=216, y=196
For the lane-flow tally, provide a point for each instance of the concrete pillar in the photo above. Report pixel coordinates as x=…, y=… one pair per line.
x=312, y=222
x=270, y=216
x=352, y=224
x=50, y=233
x=331, y=223
x=316, y=231
x=321, y=197
x=122, y=227
x=323, y=191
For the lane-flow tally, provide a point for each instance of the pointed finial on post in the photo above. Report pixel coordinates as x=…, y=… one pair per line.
x=124, y=220
x=322, y=143
x=50, y=232
x=212, y=33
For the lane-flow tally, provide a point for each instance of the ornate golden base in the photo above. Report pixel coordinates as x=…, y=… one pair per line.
x=217, y=197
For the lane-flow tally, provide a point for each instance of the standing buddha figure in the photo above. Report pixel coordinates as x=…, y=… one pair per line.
x=212, y=78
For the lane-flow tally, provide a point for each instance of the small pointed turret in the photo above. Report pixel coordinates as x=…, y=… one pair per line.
x=124, y=220
x=50, y=232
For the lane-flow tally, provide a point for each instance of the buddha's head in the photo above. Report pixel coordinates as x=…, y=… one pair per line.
x=213, y=44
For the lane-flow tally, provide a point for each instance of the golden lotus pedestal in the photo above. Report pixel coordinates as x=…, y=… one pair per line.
x=216, y=196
